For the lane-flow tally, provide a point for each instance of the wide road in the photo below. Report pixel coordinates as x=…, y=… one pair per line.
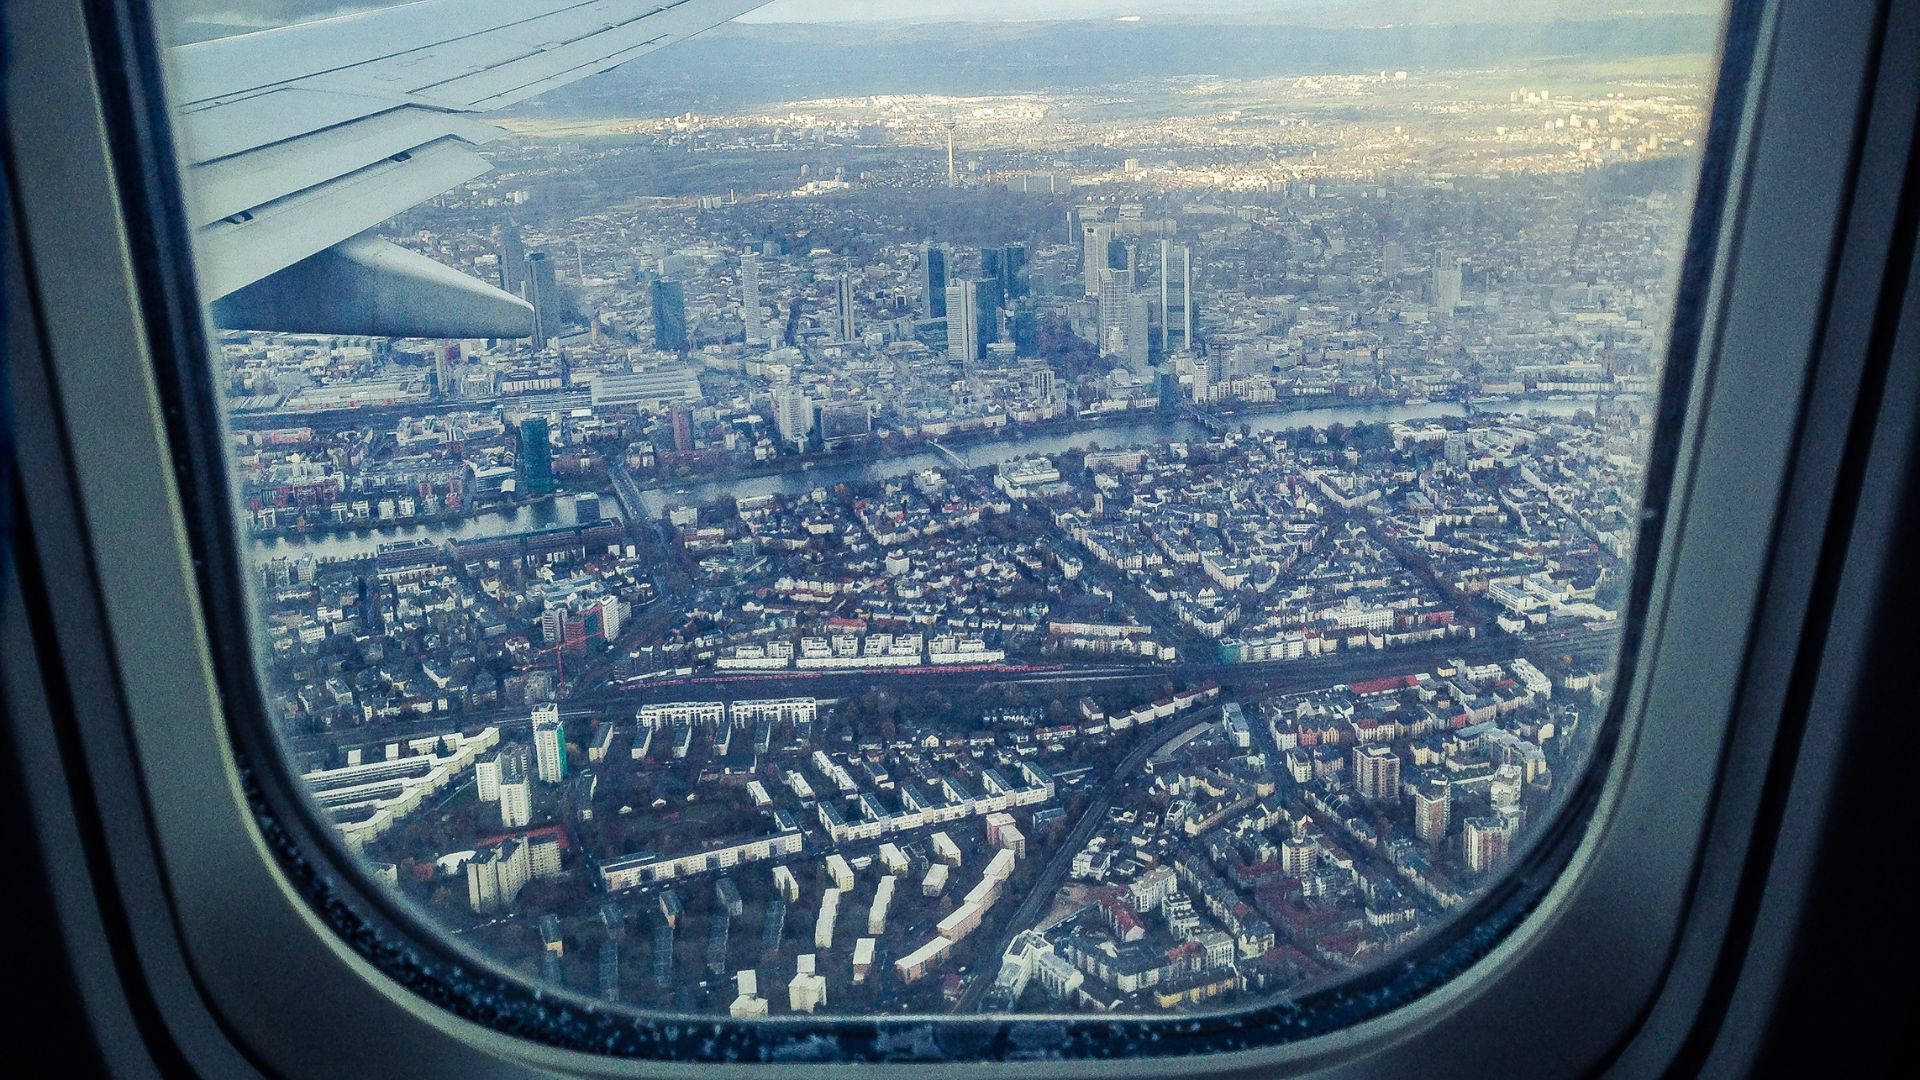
x=1266, y=676
x=1041, y=894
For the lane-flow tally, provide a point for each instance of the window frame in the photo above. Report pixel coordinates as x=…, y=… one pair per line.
x=1654, y=882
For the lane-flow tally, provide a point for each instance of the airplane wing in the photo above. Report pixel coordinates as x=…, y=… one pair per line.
x=299, y=140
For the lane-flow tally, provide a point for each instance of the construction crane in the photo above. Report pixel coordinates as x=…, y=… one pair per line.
x=559, y=650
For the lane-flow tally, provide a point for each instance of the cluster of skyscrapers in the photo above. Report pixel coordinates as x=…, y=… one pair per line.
x=531, y=275
x=972, y=306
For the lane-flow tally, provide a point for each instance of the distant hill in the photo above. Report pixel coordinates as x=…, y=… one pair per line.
x=756, y=63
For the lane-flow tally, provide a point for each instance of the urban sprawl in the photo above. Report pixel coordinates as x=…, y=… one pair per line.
x=1122, y=550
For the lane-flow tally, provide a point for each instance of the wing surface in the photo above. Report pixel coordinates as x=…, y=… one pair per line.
x=301, y=138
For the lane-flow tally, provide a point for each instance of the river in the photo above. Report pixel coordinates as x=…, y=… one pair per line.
x=1143, y=431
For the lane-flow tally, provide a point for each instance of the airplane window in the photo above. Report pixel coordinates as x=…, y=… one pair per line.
x=1076, y=508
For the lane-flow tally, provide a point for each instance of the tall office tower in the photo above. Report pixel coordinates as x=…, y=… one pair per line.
x=670, y=317
x=1201, y=376
x=1023, y=326
x=1139, y=331
x=1186, y=300
x=1167, y=383
x=990, y=263
x=1094, y=256
x=1166, y=246
x=516, y=795
x=543, y=292
x=1013, y=271
x=1392, y=255
x=792, y=413
x=987, y=299
x=790, y=327
x=933, y=281
x=1115, y=293
x=443, y=361
x=533, y=460
x=549, y=744
x=513, y=258
x=683, y=429
x=847, y=329
x=750, y=312
x=963, y=321
x=1446, y=285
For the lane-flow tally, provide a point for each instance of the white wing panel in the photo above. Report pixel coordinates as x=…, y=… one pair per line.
x=229, y=186
x=275, y=116
x=301, y=137
x=223, y=67
x=460, y=55
x=282, y=232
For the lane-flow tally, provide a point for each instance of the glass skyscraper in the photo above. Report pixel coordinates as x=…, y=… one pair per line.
x=533, y=465
x=933, y=280
x=670, y=317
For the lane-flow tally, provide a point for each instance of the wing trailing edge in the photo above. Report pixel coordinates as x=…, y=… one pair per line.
x=298, y=140
x=366, y=285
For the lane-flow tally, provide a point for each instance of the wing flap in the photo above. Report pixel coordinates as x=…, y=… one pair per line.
x=245, y=63
x=302, y=137
x=457, y=55
x=288, y=112
x=366, y=285
x=504, y=84
x=236, y=251
x=225, y=187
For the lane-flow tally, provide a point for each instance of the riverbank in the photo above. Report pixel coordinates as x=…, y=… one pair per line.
x=446, y=521
x=794, y=478
x=546, y=512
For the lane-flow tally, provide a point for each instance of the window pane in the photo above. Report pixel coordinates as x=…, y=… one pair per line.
x=1061, y=507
